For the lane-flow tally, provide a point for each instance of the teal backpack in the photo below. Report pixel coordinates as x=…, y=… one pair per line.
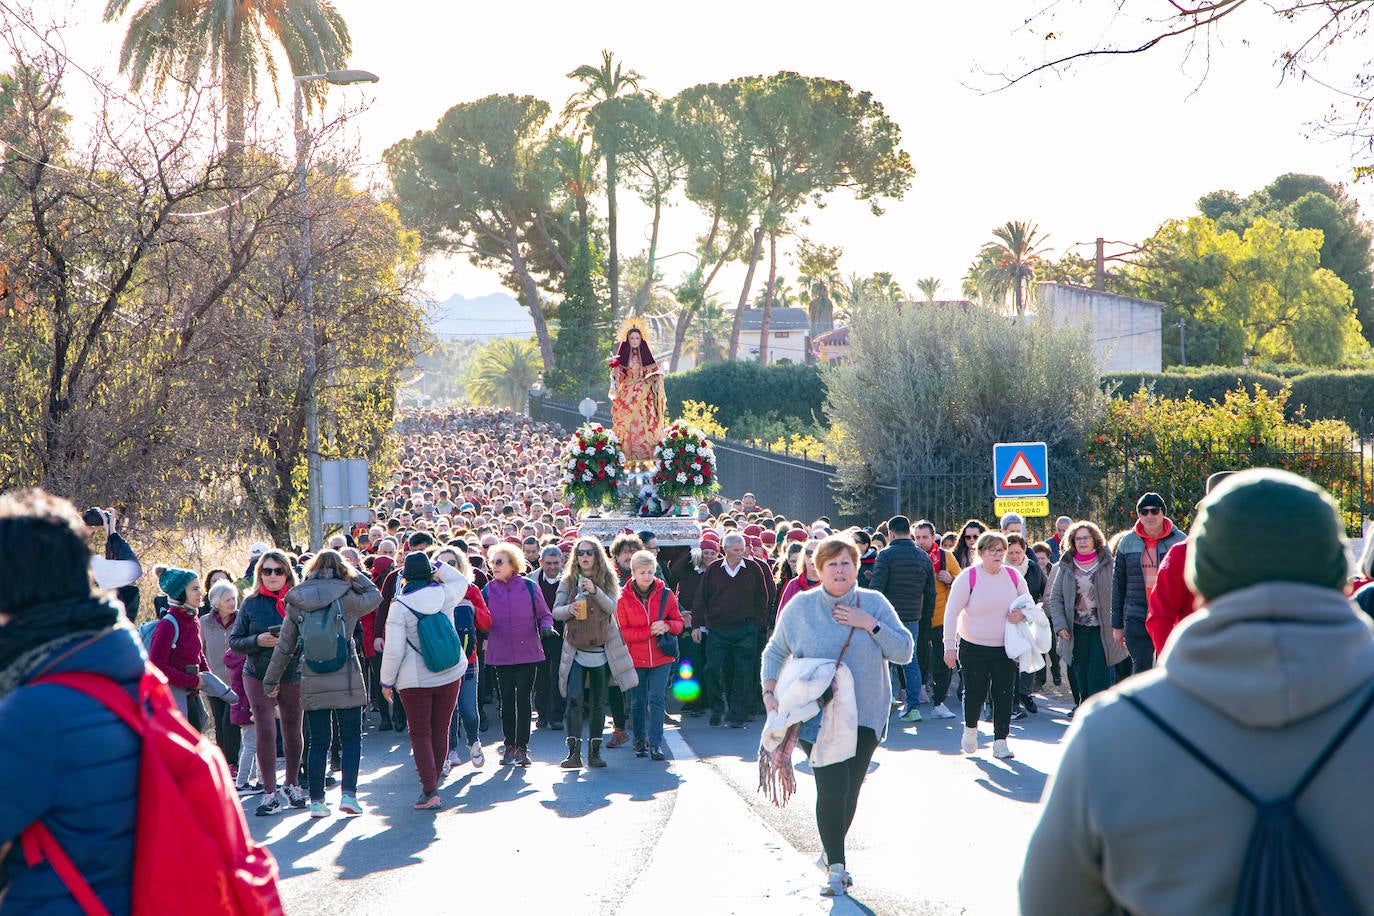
x=439, y=644
x=322, y=638
x=145, y=632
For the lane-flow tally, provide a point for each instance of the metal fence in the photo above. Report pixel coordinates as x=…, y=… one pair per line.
x=1102, y=484
x=1097, y=482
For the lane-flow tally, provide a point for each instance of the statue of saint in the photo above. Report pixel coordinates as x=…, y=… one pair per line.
x=637, y=402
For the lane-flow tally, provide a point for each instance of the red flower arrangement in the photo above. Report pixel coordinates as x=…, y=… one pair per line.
x=686, y=463
x=593, y=467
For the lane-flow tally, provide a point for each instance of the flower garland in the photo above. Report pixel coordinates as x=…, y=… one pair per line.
x=593, y=467
x=686, y=463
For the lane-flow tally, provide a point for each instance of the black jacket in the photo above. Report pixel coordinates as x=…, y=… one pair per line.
x=904, y=575
x=258, y=613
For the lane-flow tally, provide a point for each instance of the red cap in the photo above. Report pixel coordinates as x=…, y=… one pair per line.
x=756, y=543
x=709, y=544
x=769, y=537
x=512, y=539
x=795, y=534
x=752, y=531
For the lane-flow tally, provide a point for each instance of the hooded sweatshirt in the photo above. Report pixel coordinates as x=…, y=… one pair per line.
x=1261, y=681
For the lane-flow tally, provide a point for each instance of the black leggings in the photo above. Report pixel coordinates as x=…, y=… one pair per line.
x=981, y=664
x=516, y=683
x=837, y=794
x=226, y=732
x=586, y=686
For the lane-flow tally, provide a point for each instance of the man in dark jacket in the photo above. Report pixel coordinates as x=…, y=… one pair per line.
x=71, y=763
x=904, y=574
x=1138, y=555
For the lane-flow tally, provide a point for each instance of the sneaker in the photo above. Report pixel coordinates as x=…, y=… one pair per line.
x=331, y=781
x=1019, y=713
x=508, y=756
x=941, y=711
x=319, y=809
x=299, y=797
x=834, y=885
x=655, y=752
x=911, y=714
x=922, y=696
x=249, y=790
x=445, y=770
x=734, y=723
x=1000, y=749
x=715, y=720
x=522, y=757
x=428, y=801
x=641, y=748
x=349, y=805
x=273, y=804
x=1029, y=703
x=619, y=737
x=969, y=743
x=479, y=759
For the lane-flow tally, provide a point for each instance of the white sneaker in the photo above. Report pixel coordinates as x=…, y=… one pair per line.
x=1000, y=749
x=453, y=758
x=942, y=712
x=836, y=883
x=478, y=758
x=969, y=744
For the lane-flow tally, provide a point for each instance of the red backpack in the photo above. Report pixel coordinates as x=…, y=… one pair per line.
x=185, y=792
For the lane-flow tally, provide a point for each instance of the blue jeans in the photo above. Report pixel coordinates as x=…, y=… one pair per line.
x=912, y=669
x=350, y=738
x=646, y=703
x=465, y=710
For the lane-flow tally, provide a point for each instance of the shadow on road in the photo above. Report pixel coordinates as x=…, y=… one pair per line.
x=1011, y=779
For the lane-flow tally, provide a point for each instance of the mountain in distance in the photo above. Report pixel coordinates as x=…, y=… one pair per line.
x=494, y=315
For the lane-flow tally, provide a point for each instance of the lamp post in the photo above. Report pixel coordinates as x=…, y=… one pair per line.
x=314, y=494
x=587, y=408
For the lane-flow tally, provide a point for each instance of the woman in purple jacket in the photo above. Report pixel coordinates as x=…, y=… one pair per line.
x=519, y=617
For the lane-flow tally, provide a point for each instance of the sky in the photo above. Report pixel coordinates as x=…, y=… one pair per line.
x=1109, y=147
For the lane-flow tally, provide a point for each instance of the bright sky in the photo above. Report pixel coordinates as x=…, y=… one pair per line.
x=1111, y=148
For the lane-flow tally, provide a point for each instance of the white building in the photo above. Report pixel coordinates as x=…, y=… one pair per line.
x=1125, y=331
x=789, y=332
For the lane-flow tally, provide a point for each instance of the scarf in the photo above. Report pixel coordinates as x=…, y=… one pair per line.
x=280, y=598
x=935, y=557
x=643, y=596
x=33, y=634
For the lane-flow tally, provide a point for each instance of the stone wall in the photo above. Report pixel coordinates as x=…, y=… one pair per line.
x=1125, y=331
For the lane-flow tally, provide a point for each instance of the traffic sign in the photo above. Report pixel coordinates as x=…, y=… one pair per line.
x=1020, y=469
x=1028, y=506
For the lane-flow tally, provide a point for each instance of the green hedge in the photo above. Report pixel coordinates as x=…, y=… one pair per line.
x=737, y=387
x=1204, y=386
x=1318, y=395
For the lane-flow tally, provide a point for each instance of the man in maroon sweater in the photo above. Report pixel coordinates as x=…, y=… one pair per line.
x=734, y=601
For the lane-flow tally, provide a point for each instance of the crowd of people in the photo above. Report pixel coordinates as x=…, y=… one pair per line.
x=471, y=587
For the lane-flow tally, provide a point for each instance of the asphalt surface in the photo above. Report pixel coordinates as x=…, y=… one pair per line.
x=936, y=832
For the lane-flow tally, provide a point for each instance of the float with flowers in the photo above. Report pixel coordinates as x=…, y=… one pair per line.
x=686, y=469
x=593, y=467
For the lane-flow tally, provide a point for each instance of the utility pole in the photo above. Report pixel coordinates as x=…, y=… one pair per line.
x=1182, y=354
x=1100, y=265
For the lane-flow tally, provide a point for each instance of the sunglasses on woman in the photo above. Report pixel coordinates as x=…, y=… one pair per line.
x=584, y=552
x=499, y=561
x=273, y=571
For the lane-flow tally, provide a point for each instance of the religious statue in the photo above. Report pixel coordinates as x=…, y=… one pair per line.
x=637, y=402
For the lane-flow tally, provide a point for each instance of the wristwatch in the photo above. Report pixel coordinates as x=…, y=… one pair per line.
x=876, y=628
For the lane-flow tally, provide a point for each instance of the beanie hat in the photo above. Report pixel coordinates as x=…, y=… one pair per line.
x=1232, y=549
x=173, y=582
x=769, y=536
x=752, y=531
x=417, y=571
x=709, y=544
x=1151, y=499
x=796, y=534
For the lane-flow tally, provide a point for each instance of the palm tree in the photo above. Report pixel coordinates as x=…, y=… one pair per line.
x=600, y=84
x=1010, y=260
x=503, y=371
x=929, y=287
x=236, y=39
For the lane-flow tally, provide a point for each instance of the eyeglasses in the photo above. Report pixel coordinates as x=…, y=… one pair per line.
x=970, y=537
x=273, y=571
x=584, y=552
x=994, y=550
x=810, y=553
x=498, y=561
x=1150, y=510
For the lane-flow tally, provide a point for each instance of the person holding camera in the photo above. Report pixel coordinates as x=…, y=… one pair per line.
x=119, y=568
x=255, y=635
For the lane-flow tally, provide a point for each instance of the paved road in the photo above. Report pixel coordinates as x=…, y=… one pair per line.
x=689, y=835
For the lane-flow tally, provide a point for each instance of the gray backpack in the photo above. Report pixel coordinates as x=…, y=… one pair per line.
x=323, y=638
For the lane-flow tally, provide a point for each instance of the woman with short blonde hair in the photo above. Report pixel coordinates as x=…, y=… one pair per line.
x=519, y=618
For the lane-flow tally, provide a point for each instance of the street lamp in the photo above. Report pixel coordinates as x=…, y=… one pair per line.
x=587, y=408
x=314, y=495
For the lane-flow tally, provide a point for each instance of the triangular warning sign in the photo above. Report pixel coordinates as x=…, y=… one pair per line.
x=1020, y=476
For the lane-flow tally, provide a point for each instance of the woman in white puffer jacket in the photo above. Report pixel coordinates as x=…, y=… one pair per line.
x=429, y=697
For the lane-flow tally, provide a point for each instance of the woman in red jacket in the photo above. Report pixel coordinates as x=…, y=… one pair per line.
x=645, y=611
